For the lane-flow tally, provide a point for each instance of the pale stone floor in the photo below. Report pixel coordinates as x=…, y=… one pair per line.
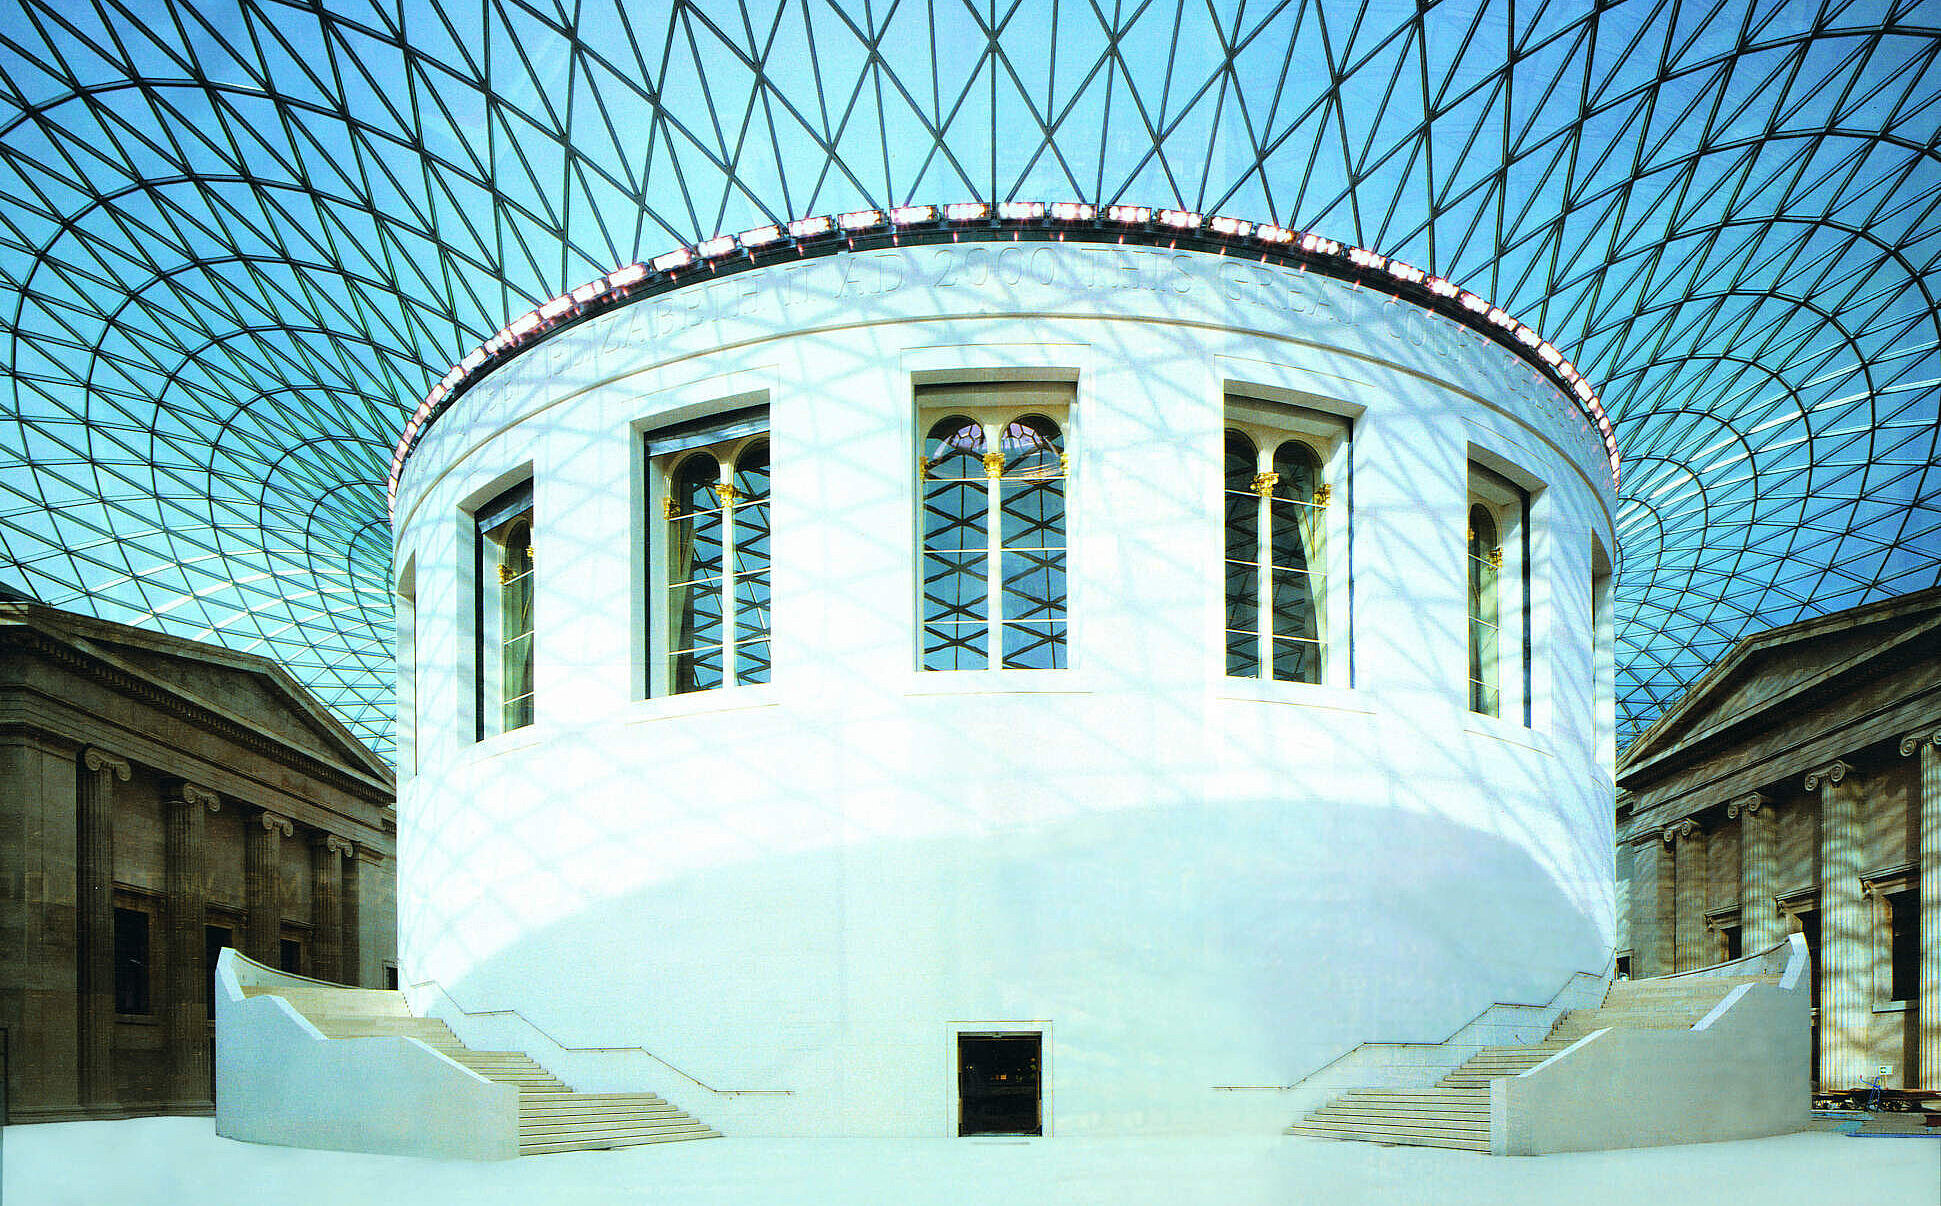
x=181, y=1161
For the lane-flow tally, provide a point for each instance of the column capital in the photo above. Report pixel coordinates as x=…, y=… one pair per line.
x=1678, y=831
x=99, y=760
x=331, y=843
x=1912, y=743
x=191, y=796
x=1831, y=773
x=1748, y=804
x=274, y=821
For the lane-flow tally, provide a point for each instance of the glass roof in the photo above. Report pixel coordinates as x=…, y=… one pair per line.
x=239, y=239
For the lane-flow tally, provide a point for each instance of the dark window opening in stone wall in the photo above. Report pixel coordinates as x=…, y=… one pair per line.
x=1904, y=913
x=214, y=938
x=290, y=956
x=131, y=961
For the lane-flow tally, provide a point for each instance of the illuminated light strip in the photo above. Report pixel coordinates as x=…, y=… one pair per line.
x=613, y=289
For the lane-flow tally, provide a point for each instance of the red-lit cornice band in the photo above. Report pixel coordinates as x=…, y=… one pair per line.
x=979, y=221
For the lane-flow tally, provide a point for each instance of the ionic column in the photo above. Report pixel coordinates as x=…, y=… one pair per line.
x=1658, y=907
x=186, y=992
x=1928, y=745
x=327, y=852
x=263, y=884
x=1758, y=851
x=1846, y=931
x=353, y=949
x=94, y=900
x=1685, y=841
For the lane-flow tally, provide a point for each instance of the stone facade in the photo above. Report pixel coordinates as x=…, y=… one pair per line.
x=1797, y=788
x=160, y=799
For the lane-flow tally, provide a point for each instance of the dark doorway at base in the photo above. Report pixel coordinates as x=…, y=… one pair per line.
x=998, y=1084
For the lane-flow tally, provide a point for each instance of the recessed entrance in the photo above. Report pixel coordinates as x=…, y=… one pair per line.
x=998, y=1084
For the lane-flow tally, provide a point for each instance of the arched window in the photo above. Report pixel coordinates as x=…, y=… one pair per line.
x=994, y=542
x=1485, y=568
x=515, y=623
x=503, y=612
x=717, y=567
x=1276, y=566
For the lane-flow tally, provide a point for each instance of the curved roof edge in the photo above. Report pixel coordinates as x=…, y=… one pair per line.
x=1010, y=221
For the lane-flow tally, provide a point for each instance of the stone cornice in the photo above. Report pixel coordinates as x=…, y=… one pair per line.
x=225, y=727
x=1830, y=774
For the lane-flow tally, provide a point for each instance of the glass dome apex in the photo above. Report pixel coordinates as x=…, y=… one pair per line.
x=240, y=239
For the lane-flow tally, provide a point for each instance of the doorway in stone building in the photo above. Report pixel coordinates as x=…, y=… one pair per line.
x=1000, y=1083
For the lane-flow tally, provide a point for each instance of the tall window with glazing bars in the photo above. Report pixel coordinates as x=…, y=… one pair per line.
x=503, y=612
x=708, y=556
x=992, y=490
x=1277, y=509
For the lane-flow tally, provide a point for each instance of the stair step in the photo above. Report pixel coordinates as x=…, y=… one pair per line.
x=1478, y=1105
x=552, y=1118
x=608, y=1126
x=548, y=1148
x=571, y=1109
x=1382, y=1135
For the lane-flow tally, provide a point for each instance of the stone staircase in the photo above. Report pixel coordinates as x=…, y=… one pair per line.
x=1454, y=1112
x=552, y=1118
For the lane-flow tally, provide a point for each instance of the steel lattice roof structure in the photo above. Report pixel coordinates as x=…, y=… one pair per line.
x=240, y=239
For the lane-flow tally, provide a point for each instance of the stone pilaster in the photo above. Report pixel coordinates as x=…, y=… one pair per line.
x=1657, y=906
x=327, y=853
x=185, y=996
x=94, y=897
x=1691, y=945
x=1759, y=919
x=1847, y=947
x=263, y=885
x=1927, y=744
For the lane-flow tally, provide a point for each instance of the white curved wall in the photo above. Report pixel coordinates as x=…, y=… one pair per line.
x=1186, y=880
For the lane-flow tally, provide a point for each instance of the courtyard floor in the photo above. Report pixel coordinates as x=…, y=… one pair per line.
x=181, y=1162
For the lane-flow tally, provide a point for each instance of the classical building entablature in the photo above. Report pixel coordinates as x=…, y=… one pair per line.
x=240, y=698
x=1812, y=700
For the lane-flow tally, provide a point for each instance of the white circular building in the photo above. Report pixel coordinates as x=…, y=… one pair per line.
x=943, y=672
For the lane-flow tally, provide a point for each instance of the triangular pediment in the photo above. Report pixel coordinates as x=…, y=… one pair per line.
x=250, y=690
x=1764, y=671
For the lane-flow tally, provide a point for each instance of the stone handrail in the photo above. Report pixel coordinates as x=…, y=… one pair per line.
x=1740, y=1072
x=542, y=1032
x=1576, y=980
x=281, y=1080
